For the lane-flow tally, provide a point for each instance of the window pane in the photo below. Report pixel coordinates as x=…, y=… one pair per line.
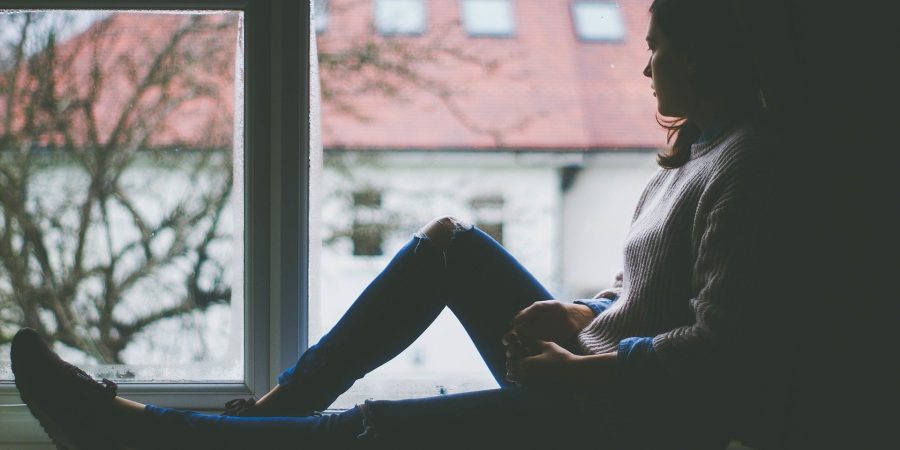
x=121, y=211
x=596, y=21
x=400, y=16
x=488, y=17
x=541, y=141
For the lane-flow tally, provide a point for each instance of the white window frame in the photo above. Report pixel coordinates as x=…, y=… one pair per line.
x=276, y=194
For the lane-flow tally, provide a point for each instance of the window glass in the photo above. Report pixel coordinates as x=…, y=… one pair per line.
x=598, y=21
x=120, y=190
x=488, y=17
x=542, y=142
x=400, y=16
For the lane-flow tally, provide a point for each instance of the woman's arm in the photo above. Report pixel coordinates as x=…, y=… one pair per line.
x=730, y=220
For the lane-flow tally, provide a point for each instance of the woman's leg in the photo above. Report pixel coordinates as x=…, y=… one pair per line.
x=165, y=428
x=499, y=418
x=448, y=263
x=79, y=412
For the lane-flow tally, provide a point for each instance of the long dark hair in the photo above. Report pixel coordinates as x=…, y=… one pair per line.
x=707, y=32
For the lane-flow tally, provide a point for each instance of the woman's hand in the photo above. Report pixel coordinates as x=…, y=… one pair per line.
x=553, y=364
x=549, y=320
x=550, y=363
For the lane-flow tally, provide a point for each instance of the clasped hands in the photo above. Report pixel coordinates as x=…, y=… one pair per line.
x=533, y=351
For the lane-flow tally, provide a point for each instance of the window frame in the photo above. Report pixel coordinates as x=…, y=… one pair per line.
x=276, y=197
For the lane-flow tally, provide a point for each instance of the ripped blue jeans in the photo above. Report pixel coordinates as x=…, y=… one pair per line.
x=484, y=286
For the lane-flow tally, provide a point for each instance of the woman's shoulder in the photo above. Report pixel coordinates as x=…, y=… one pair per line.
x=751, y=141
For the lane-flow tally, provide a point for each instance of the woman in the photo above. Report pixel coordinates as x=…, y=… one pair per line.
x=639, y=366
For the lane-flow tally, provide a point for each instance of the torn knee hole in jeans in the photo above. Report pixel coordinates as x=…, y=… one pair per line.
x=441, y=233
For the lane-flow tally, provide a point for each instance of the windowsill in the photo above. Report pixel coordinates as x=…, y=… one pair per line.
x=21, y=431
x=199, y=396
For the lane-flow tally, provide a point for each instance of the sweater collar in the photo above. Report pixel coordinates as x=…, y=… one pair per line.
x=713, y=132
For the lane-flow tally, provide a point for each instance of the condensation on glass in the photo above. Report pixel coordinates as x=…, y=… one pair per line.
x=121, y=187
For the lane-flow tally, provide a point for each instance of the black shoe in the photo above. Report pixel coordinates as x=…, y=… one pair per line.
x=240, y=407
x=71, y=406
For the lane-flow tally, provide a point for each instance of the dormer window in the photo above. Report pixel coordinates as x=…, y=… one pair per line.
x=320, y=15
x=398, y=17
x=488, y=17
x=597, y=21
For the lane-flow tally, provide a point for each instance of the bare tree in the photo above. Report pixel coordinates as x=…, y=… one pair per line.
x=83, y=247
x=78, y=245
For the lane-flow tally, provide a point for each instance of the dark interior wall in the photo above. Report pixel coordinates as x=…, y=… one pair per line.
x=827, y=82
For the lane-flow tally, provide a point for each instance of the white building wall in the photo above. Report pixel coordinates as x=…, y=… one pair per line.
x=597, y=211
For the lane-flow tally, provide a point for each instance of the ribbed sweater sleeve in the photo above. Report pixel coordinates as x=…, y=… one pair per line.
x=720, y=272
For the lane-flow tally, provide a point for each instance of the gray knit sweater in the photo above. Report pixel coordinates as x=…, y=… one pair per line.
x=686, y=273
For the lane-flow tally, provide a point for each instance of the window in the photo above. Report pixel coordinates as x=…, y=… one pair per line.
x=400, y=16
x=263, y=240
x=431, y=140
x=368, y=229
x=126, y=246
x=598, y=21
x=488, y=213
x=320, y=15
x=488, y=17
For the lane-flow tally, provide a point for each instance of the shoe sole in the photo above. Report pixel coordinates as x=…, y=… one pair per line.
x=58, y=437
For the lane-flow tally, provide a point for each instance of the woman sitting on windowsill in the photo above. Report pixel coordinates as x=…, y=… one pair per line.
x=641, y=365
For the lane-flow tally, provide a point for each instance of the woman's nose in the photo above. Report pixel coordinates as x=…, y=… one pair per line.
x=647, y=72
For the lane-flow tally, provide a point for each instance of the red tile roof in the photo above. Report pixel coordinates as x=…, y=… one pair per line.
x=542, y=89
x=123, y=48
x=550, y=90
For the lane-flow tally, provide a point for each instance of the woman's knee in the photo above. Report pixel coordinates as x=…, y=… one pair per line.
x=441, y=230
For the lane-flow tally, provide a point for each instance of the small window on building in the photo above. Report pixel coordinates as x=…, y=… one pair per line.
x=394, y=17
x=367, y=239
x=320, y=15
x=368, y=224
x=488, y=213
x=598, y=21
x=488, y=17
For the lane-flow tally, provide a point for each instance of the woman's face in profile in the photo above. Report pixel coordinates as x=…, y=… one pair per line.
x=671, y=73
